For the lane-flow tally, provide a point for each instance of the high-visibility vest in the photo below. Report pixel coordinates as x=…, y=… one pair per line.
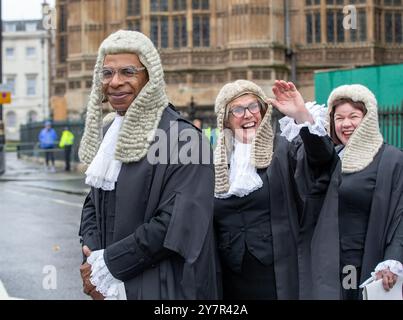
x=67, y=139
x=211, y=134
x=207, y=132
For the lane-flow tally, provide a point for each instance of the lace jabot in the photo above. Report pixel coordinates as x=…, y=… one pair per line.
x=243, y=177
x=104, y=170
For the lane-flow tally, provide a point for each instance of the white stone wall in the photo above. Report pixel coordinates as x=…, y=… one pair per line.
x=20, y=66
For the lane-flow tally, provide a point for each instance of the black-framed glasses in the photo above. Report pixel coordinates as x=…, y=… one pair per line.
x=125, y=73
x=239, y=111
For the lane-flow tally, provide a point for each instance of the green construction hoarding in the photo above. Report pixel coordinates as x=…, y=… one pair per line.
x=386, y=82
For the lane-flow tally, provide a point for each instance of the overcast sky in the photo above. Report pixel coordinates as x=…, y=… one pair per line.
x=23, y=9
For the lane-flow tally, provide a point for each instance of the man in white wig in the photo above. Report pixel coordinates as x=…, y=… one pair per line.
x=146, y=225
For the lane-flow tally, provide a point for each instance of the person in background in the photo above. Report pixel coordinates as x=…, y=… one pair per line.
x=66, y=143
x=211, y=134
x=47, y=141
x=198, y=123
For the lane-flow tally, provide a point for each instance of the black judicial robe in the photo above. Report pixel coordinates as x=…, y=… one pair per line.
x=157, y=225
x=245, y=246
x=384, y=236
x=298, y=176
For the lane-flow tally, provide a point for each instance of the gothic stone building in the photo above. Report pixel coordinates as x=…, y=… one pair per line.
x=206, y=43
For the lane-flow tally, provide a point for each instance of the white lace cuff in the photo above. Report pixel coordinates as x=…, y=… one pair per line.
x=394, y=266
x=103, y=280
x=290, y=129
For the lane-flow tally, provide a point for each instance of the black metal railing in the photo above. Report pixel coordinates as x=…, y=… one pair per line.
x=29, y=144
x=391, y=124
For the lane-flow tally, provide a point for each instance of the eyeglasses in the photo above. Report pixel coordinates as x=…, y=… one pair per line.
x=125, y=73
x=239, y=111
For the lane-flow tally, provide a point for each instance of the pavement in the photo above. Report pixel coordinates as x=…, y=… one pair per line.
x=4, y=295
x=34, y=174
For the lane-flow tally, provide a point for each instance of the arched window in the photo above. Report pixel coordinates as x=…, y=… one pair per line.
x=32, y=116
x=11, y=119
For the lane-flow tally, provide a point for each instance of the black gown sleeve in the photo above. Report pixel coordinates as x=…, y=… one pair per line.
x=88, y=231
x=180, y=224
x=148, y=245
x=394, y=250
x=88, y=228
x=141, y=250
x=319, y=150
x=394, y=243
x=312, y=160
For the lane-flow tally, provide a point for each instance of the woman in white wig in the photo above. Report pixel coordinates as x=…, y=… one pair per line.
x=266, y=188
x=147, y=223
x=360, y=228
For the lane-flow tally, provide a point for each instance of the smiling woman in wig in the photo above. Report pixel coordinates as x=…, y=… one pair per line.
x=264, y=187
x=360, y=227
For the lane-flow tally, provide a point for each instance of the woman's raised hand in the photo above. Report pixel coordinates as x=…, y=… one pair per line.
x=288, y=100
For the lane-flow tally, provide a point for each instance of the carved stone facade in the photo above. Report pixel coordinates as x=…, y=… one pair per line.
x=204, y=44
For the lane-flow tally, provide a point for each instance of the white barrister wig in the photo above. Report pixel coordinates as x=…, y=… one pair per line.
x=262, y=144
x=367, y=139
x=143, y=115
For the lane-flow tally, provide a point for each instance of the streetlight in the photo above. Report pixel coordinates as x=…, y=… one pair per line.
x=192, y=109
x=2, y=136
